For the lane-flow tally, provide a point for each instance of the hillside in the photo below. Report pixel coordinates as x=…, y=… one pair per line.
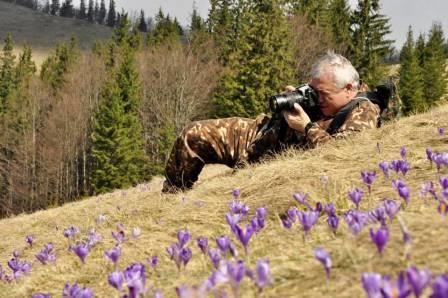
x=43, y=31
x=327, y=173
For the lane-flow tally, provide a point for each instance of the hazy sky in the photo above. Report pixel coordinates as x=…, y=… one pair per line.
x=418, y=13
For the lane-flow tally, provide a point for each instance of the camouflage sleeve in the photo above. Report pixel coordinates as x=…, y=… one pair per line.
x=365, y=115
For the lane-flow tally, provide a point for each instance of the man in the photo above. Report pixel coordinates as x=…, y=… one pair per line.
x=235, y=141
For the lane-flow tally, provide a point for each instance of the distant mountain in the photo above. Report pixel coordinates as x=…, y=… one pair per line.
x=44, y=31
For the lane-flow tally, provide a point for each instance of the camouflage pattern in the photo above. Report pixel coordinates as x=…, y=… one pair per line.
x=236, y=141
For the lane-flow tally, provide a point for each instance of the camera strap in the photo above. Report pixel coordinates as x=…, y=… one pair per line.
x=340, y=116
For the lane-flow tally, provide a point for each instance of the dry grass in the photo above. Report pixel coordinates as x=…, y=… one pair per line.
x=271, y=184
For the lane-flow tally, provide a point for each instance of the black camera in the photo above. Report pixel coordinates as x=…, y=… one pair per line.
x=304, y=95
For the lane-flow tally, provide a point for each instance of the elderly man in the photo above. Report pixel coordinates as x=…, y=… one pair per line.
x=235, y=141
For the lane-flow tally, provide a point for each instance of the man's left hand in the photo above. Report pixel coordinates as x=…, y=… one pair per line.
x=297, y=119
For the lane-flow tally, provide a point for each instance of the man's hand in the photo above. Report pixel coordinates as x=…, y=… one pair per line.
x=297, y=119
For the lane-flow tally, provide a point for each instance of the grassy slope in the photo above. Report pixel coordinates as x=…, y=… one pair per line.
x=201, y=210
x=44, y=32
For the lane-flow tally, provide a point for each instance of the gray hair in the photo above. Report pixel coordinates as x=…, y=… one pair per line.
x=340, y=67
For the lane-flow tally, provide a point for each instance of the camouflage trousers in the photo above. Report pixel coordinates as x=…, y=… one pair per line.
x=229, y=141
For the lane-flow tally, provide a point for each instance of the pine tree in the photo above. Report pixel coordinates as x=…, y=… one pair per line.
x=370, y=45
x=410, y=85
x=142, y=26
x=260, y=64
x=55, y=6
x=91, y=12
x=197, y=24
x=434, y=66
x=166, y=31
x=101, y=13
x=117, y=150
x=7, y=80
x=111, y=21
x=82, y=10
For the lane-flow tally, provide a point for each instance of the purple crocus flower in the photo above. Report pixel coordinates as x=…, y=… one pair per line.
x=29, y=239
x=333, y=222
x=356, y=196
x=232, y=220
x=395, y=289
x=301, y=198
x=223, y=243
x=244, y=235
x=119, y=236
x=18, y=268
x=185, y=255
x=292, y=213
x=158, y=294
x=440, y=159
x=203, y=244
x=391, y=207
x=384, y=166
x=371, y=282
x=429, y=155
x=153, y=261
x=308, y=219
x=46, y=254
x=263, y=276
x=116, y=279
x=378, y=215
x=41, y=295
x=71, y=231
x=418, y=279
x=441, y=131
x=93, y=238
x=180, y=255
x=183, y=237
x=135, y=277
x=286, y=222
x=443, y=182
x=368, y=178
x=237, y=207
x=76, y=292
x=355, y=220
x=400, y=166
x=403, y=152
x=440, y=287
x=428, y=187
x=113, y=255
x=330, y=209
x=236, y=193
x=236, y=272
x=402, y=188
x=323, y=257
x=81, y=250
x=380, y=237
x=215, y=257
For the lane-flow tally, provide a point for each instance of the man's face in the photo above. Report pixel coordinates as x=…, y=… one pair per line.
x=331, y=98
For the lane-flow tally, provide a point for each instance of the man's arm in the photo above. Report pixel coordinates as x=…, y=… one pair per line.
x=364, y=115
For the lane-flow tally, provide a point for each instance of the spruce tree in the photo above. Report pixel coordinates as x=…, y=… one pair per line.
x=90, y=12
x=142, y=26
x=370, y=45
x=197, y=24
x=102, y=13
x=55, y=6
x=420, y=49
x=117, y=145
x=223, y=23
x=315, y=11
x=434, y=66
x=166, y=31
x=7, y=78
x=67, y=10
x=338, y=22
x=111, y=21
x=96, y=11
x=410, y=85
x=82, y=10
x=261, y=63
x=47, y=8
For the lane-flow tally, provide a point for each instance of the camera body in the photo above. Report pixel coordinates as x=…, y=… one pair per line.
x=304, y=95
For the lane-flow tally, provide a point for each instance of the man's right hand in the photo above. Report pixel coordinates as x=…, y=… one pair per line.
x=290, y=88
